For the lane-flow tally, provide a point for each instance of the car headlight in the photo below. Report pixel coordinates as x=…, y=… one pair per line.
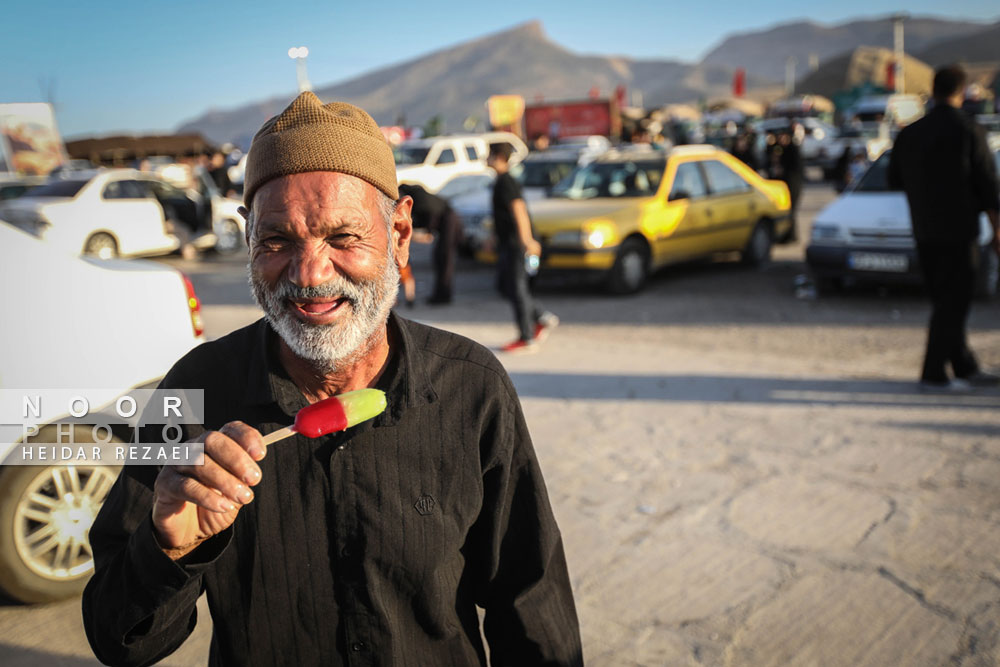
x=818, y=134
x=592, y=235
x=821, y=232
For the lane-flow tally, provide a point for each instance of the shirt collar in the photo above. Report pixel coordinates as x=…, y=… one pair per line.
x=405, y=380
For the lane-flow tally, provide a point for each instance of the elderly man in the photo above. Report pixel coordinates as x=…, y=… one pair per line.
x=374, y=546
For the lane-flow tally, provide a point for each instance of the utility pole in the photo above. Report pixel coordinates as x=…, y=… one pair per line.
x=897, y=47
x=299, y=55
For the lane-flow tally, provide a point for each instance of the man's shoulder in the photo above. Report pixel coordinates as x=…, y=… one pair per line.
x=442, y=350
x=216, y=358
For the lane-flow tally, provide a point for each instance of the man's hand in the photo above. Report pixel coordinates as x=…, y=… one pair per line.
x=192, y=503
x=533, y=247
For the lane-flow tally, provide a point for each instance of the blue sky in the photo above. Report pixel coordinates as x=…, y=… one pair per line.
x=150, y=65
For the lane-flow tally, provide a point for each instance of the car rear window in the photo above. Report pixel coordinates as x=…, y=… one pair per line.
x=59, y=189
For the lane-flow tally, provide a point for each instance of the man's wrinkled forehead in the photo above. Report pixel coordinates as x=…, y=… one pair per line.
x=312, y=191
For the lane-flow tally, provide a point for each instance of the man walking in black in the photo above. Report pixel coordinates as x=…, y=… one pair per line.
x=944, y=166
x=515, y=244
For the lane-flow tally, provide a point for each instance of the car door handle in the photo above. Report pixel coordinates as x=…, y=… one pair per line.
x=708, y=211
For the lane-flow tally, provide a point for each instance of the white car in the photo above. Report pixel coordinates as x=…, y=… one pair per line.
x=108, y=213
x=93, y=326
x=435, y=161
x=865, y=235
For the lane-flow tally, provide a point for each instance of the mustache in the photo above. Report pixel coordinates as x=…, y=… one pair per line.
x=336, y=288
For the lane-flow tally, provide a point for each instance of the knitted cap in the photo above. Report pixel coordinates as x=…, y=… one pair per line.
x=312, y=136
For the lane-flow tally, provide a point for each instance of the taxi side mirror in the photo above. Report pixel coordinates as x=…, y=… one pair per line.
x=679, y=194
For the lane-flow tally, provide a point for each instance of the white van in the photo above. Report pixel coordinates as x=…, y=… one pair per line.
x=434, y=161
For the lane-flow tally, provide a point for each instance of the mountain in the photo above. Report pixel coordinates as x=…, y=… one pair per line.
x=764, y=52
x=456, y=81
x=978, y=47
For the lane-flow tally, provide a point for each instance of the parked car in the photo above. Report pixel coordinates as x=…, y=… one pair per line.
x=538, y=174
x=871, y=138
x=107, y=213
x=818, y=137
x=865, y=235
x=12, y=187
x=435, y=161
x=627, y=214
x=118, y=325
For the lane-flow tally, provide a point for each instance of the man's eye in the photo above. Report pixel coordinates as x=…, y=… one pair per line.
x=273, y=242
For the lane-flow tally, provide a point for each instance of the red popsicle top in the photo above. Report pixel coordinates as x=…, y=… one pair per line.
x=339, y=412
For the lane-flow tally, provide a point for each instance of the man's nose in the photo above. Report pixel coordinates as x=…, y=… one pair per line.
x=311, y=266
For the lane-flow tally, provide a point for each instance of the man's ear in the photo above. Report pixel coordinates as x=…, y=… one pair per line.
x=246, y=219
x=402, y=230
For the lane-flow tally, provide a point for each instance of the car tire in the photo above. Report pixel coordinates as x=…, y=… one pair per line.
x=758, y=248
x=631, y=268
x=47, y=560
x=987, y=273
x=230, y=238
x=101, y=245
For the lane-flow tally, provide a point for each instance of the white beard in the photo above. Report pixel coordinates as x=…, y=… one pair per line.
x=330, y=347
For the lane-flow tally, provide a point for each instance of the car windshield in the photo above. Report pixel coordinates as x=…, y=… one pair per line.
x=876, y=179
x=410, y=154
x=544, y=174
x=67, y=188
x=638, y=178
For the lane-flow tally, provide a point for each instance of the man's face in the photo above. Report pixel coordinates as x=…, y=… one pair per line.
x=324, y=266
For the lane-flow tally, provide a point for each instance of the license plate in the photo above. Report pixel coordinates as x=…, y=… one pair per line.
x=874, y=261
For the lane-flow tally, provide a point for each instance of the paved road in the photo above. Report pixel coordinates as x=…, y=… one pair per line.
x=742, y=477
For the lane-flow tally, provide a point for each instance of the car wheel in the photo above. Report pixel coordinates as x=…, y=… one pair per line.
x=987, y=273
x=758, y=248
x=631, y=268
x=45, y=518
x=230, y=237
x=102, y=246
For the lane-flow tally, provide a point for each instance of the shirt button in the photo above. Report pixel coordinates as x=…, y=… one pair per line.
x=341, y=448
x=346, y=552
x=358, y=646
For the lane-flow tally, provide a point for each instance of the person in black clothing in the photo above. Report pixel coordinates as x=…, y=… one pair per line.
x=793, y=174
x=435, y=215
x=743, y=150
x=372, y=546
x=220, y=174
x=515, y=244
x=943, y=164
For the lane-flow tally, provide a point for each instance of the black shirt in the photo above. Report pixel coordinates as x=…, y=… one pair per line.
x=369, y=547
x=943, y=164
x=428, y=210
x=506, y=190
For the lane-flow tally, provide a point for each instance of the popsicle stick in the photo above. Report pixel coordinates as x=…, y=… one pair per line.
x=280, y=434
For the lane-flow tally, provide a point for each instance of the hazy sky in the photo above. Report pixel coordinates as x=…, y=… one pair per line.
x=150, y=65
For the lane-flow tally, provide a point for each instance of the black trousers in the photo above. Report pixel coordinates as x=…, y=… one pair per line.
x=950, y=274
x=513, y=280
x=449, y=235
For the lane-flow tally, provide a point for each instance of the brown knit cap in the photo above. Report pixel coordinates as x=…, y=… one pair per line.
x=312, y=136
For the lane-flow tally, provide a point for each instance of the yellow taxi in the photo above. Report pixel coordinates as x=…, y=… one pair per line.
x=631, y=212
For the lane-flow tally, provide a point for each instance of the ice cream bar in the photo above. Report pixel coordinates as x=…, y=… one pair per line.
x=333, y=414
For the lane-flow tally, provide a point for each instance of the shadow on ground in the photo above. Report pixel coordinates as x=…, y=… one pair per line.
x=744, y=390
